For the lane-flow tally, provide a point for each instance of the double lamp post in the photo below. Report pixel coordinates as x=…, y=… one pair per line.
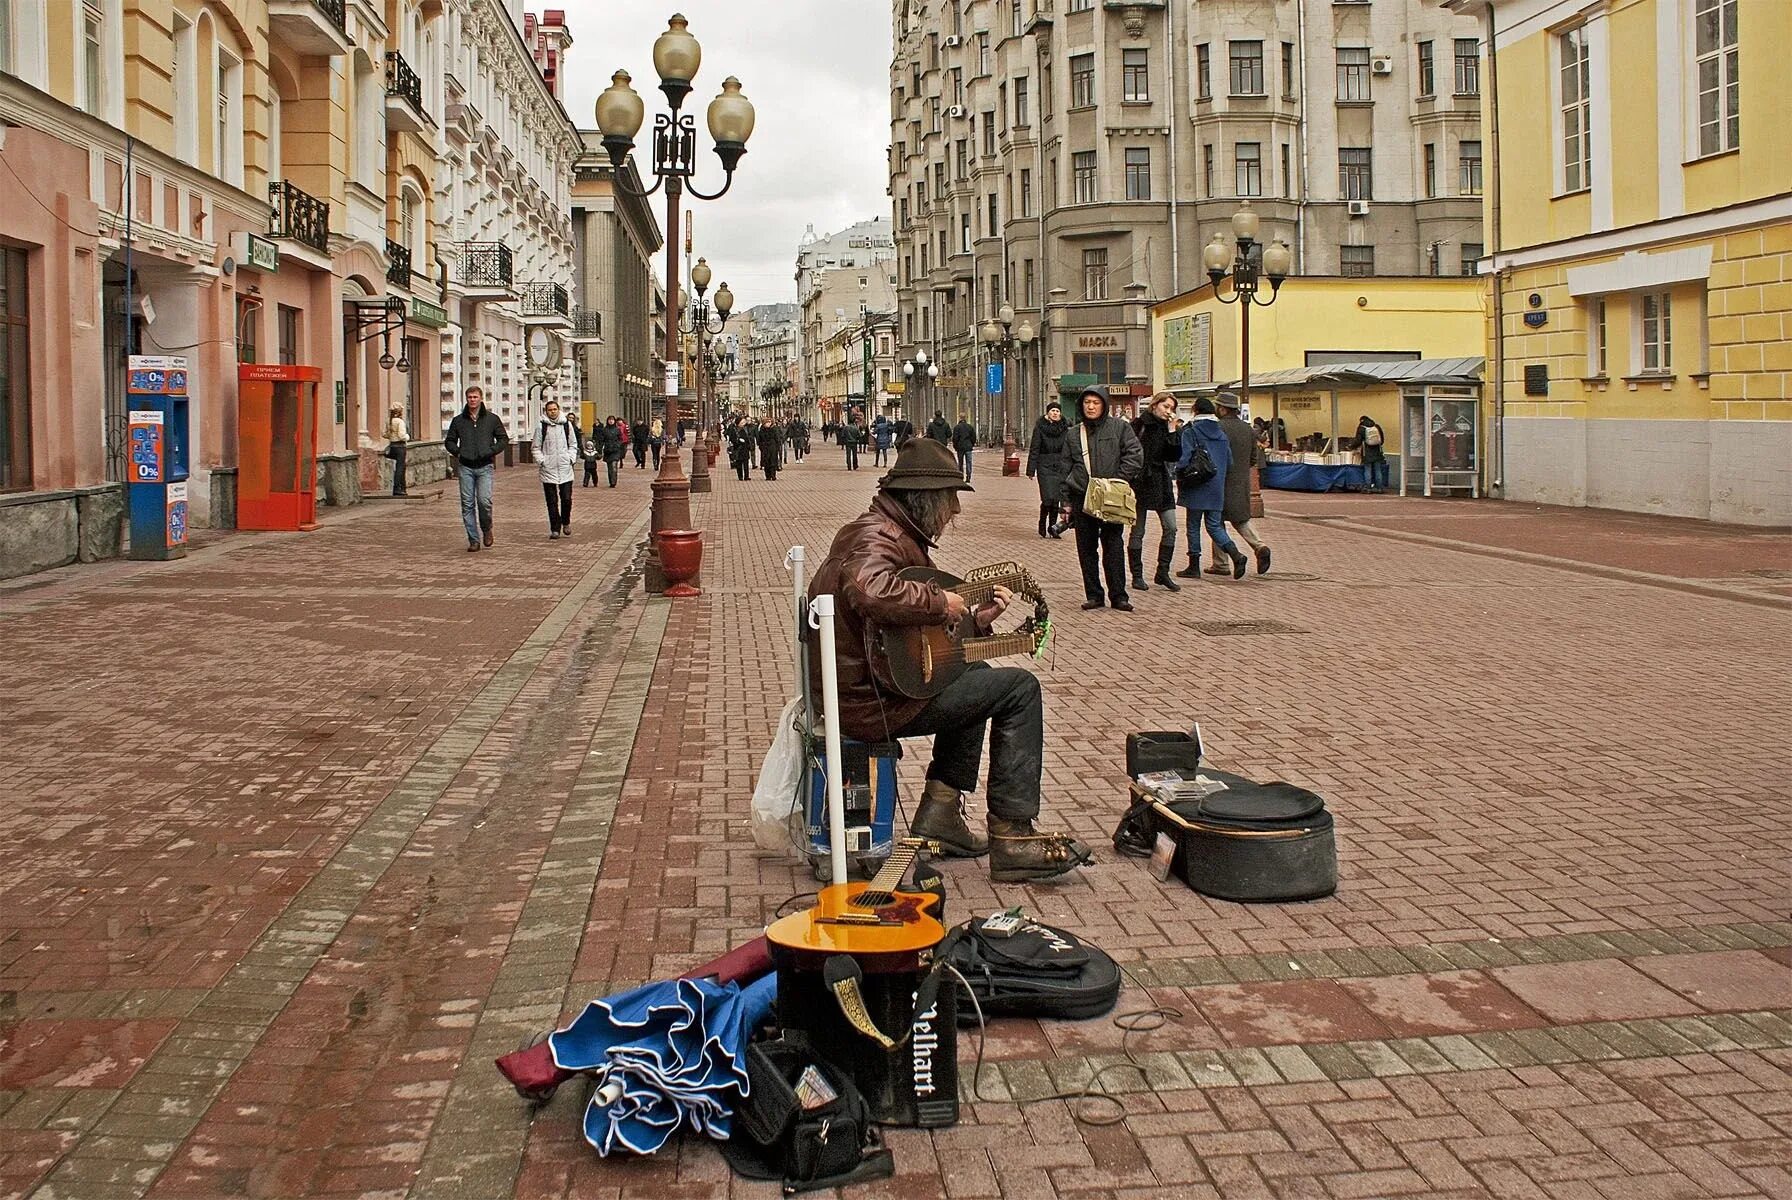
x=695, y=324
x=620, y=112
x=1001, y=341
x=1249, y=261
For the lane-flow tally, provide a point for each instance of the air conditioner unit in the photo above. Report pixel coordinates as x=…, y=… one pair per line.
x=1381, y=64
x=954, y=39
x=957, y=110
x=1358, y=208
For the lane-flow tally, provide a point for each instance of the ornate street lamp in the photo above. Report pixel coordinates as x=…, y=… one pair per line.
x=1001, y=341
x=919, y=370
x=676, y=57
x=1249, y=261
x=696, y=322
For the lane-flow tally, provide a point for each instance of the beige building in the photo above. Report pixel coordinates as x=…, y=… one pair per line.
x=839, y=278
x=615, y=236
x=769, y=348
x=1071, y=158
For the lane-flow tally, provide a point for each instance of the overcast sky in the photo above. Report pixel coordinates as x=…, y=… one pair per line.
x=817, y=72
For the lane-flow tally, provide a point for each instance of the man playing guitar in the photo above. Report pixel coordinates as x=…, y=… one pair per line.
x=915, y=503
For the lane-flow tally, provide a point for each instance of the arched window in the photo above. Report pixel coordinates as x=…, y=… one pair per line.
x=24, y=40
x=227, y=110
x=369, y=118
x=186, y=89
x=410, y=221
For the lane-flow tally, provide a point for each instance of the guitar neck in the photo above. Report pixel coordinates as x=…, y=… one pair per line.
x=883, y=884
x=997, y=646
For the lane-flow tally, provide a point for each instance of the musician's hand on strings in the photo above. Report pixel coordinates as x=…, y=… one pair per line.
x=988, y=614
x=956, y=607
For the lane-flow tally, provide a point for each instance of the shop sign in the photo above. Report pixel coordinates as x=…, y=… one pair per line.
x=896, y=387
x=1188, y=350
x=992, y=382
x=425, y=313
x=1099, y=341
x=148, y=447
x=1308, y=403
x=177, y=513
x=1073, y=382
x=263, y=254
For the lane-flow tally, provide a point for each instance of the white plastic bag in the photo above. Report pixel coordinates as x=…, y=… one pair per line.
x=780, y=777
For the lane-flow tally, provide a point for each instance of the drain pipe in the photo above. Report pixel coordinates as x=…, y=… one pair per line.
x=1498, y=279
x=1175, y=179
x=1300, y=210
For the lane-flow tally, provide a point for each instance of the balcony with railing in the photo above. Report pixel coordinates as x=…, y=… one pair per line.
x=311, y=27
x=398, y=264
x=587, y=326
x=546, y=303
x=404, y=95
x=484, y=270
x=300, y=218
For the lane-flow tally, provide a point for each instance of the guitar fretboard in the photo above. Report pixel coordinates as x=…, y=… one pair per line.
x=997, y=646
x=882, y=888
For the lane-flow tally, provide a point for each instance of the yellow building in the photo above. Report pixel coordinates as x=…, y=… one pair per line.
x=1639, y=214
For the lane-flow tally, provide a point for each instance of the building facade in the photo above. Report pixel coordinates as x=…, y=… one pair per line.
x=839, y=278
x=1071, y=158
x=770, y=350
x=255, y=181
x=615, y=236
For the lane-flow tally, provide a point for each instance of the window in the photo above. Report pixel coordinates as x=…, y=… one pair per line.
x=1026, y=191
x=989, y=134
x=186, y=93
x=93, y=40
x=1045, y=89
x=963, y=160
x=1287, y=172
x=983, y=54
x=1596, y=340
x=1247, y=68
x=15, y=370
x=992, y=215
x=1020, y=101
x=1356, y=260
x=1135, y=77
x=1574, y=79
x=6, y=55
x=1026, y=274
x=1356, y=178
x=1002, y=104
x=1014, y=18
x=1080, y=5
x=1430, y=170
x=921, y=194
x=1106, y=366
x=287, y=331
x=227, y=143
x=1082, y=174
x=1468, y=168
x=1471, y=255
x=1287, y=70
x=1203, y=73
x=1353, y=73
x=1658, y=342
x=1468, y=67
x=1247, y=162
x=1207, y=170
x=964, y=233
x=1095, y=274
x=1138, y=173
x=1082, y=80
x=1427, y=71
x=248, y=329
x=1717, y=57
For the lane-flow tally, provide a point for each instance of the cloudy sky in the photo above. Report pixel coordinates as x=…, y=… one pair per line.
x=817, y=72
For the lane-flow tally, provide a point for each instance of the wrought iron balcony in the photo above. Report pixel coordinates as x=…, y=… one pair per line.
x=403, y=87
x=587, y=325
x=299, y=216
x=398, y=269
x=546, y=300
x=485, y=266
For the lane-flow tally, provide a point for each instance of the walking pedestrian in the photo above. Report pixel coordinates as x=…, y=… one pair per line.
x=1372, y=441
x=590, y=456
x=851, y=434
x=556, y=449
x=964, y=441
x=883, y=433
x=740, y=453
x=1206, y=503
x=475, y=437
x=770, y=448
x=656, y=440
x=611, y=447
x=638, y=434
x=1156, y=429
x=1246, y=453
x=903, y=433
x=1047, y=462
x=793, y=438
x=396, y=437
x=938, y=429
x=1102, y=447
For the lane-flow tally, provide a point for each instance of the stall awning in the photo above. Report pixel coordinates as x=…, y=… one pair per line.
x=1413, y=372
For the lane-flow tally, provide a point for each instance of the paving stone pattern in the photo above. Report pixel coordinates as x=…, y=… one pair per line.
x=309, y=828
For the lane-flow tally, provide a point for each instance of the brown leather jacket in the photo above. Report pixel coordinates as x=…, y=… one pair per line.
x=860, y=570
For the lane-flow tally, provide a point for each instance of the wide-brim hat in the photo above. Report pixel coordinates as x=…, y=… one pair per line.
x=925, y=465
x=1226, y=400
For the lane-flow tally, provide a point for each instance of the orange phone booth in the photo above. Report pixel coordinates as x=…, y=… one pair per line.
x=276, y=446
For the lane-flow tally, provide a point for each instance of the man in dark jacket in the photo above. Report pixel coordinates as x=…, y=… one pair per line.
x=771, y=448
x=1114, y=453
x=475, y=437
x=852, y=436
x=915, y=503
x=964, y=441
x=1246, y=453
x=640, y=433
x=610, y=446
x=902, y=432
x=938, y=430
x=1156, y=492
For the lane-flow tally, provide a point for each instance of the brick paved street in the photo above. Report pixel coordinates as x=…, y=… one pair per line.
x=303, y=830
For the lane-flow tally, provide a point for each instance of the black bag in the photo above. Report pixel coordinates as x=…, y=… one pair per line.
x=831, y=1145
x=1199, y=469
x=1251, y=842
x=1034, y=971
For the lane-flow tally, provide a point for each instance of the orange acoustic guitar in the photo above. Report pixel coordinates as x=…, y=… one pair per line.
x=883, y=928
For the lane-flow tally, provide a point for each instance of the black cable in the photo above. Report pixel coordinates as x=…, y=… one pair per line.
x=92, y=233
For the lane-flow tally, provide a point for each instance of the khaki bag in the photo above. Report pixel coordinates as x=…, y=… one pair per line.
x=1109, y=500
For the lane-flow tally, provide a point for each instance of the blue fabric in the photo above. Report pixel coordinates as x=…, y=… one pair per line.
x=676, y=1049
x=475, y=499
x=1311, y=477
x=1214, y=522
x=1212, y=494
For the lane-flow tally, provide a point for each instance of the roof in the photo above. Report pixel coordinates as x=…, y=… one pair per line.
x=1462, y=371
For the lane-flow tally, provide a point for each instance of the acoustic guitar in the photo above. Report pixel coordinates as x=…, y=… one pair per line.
x=923, y=660
x=873, y=922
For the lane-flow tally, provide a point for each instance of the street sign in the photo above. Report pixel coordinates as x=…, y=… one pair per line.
x=992, y=382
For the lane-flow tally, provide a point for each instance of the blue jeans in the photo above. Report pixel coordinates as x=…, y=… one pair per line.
x=1215, y=524
x=964, y=464
x=475, y=489
x=1378, y=474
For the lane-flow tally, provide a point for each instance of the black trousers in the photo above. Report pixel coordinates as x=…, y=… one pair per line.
x=1108, y=541
x=656, y=458
x=743, y=466
x=396, y=451
x=559, y=498
x=610, y=465
x=640, y=454
x=852, y=456
x=1007, y=701
x=590, y=479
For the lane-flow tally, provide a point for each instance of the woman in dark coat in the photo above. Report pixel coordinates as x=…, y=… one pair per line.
x=1113, y=453
x=1156, y=494
x=1206, y=504
x=1045, y=461
x=771, y=448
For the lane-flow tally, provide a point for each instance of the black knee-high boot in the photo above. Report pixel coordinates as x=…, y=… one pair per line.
x=1046, y=513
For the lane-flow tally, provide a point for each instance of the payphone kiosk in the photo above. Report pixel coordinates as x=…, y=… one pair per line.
x=276, y=446
x=157, y=440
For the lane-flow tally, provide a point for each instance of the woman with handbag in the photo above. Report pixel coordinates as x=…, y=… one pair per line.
x=1205, y=498
x=1045, y=461
x=1105, y=458
x=1157, y=494
x=396, y=437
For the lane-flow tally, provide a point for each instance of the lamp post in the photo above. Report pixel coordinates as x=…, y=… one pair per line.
x=676, y=57
x=919, y=370
x=1249, y=261
x=696, y=321
x=1002, y=341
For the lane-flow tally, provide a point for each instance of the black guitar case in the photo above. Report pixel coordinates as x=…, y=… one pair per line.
x=1035, y=971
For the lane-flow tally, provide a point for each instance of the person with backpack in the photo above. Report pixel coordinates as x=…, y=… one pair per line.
x=1371, y=440
x=1201, y=481
x=1156, y=493
x=556, y=449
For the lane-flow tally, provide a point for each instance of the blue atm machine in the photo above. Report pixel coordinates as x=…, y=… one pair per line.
x=156, y=407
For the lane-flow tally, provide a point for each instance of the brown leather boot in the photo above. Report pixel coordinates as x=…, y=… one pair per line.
x=940, y=817
x=1019, y=853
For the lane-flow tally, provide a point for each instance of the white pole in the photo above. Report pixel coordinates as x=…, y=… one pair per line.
x=822, y=618
x=793, y=562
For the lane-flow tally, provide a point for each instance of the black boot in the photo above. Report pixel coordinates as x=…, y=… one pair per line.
x=1135, y=560
x=1045, y=517
x=1164, y=560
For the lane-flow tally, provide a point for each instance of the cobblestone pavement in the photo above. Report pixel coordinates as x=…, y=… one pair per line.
x=302, y=831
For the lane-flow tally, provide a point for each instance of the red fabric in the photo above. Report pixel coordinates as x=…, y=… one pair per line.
x=743, y=965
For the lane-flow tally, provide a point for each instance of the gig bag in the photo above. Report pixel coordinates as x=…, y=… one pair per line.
x=1035, y=971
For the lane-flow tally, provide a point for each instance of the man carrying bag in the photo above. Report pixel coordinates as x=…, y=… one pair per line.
x=1105, y=458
